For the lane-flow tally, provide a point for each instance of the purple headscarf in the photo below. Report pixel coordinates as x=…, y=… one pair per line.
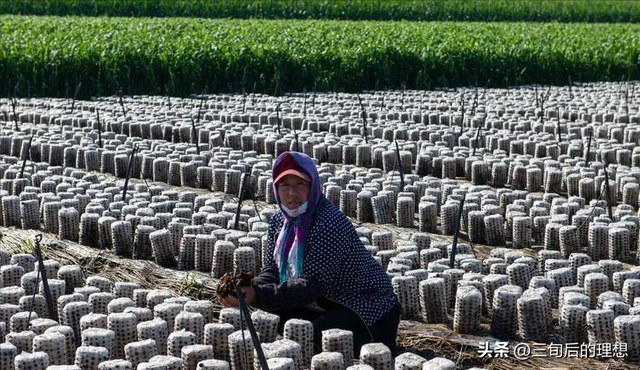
x=289, y=249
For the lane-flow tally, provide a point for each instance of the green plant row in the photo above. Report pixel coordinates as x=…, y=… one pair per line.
x=414, y=10
x=49, y=56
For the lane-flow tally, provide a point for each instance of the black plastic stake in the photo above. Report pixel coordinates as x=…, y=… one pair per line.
x=241, y=195
x=401, y=170
x=99, y=129
x=558, y=123
x=476, y=141
x=45, y=282
x=607, y=188
x=200, y=109
x=244, y=311
x=27, y=155
x=475, y=102
x=129, y=170
x=295, y=135
x=194, y=136
x=452, y=256
x=543, y=99
x=586, y=159
x=463, y=111
x=278, y=117
x=249, y=194
x=364, y=121
x=626, y=97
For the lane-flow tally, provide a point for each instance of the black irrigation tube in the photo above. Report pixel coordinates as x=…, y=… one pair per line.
x=278, y=117
x=244, y=312
x=365, y=132
x=129, y=170
x=400, y=169
x=476, y=141
x=27, y=155
x=586, y=159
x=558, y=124
x=606, y=181
x=99, y=129
x=243, y=186
x=194, y=135
x=454, y=247
x=45, y=282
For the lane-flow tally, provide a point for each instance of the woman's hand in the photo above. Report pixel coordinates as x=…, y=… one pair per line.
x=231, y=301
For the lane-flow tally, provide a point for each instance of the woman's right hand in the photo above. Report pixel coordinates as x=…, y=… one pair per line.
x=231, y=301
x=228, y=301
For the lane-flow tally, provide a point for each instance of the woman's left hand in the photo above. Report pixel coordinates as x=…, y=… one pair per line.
x=231, y=301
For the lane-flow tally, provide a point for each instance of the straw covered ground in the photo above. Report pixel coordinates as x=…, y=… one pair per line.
x=427, y=340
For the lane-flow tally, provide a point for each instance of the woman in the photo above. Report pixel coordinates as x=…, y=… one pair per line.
x=317, y=268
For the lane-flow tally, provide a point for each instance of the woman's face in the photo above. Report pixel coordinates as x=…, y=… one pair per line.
x=293, y=191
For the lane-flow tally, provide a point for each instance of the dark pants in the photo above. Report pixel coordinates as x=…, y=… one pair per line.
x=337, y=316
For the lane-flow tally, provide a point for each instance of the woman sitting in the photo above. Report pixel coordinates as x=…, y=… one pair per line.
x=316, y=268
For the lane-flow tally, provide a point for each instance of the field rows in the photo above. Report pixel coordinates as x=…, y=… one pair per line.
x=414, y=10
x=49, y=56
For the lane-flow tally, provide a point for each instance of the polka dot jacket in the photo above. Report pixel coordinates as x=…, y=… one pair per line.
x=336, y=266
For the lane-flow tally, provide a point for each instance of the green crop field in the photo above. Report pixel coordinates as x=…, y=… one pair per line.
x=414, y=10
x=48, y=56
